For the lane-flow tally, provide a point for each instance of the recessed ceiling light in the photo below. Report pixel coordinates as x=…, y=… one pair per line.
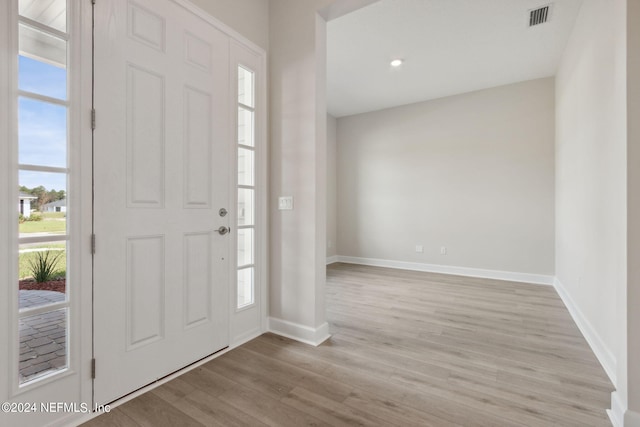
x=396, y=62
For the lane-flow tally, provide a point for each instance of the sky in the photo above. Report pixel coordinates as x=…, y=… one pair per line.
x=42, y=126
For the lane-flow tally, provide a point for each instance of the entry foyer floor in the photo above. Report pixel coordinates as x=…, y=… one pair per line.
x=407, y=349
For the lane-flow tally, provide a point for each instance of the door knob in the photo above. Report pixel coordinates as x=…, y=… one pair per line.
x=222, y=230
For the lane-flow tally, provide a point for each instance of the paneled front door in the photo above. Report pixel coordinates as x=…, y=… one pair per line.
x=161, y=157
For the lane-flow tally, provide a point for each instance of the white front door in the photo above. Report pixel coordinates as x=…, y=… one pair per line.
x=162, y=144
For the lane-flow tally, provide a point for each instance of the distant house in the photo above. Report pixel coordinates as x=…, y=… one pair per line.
x=24, y=204
x=57, y=206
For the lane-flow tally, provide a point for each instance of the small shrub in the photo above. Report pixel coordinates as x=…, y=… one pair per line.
x=34, y=217
x=21, y=219
x=43, y=266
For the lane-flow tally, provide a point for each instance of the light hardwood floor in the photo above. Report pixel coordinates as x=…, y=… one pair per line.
x=407, y=349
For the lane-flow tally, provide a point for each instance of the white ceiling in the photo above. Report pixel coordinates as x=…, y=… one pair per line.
x=449, y=47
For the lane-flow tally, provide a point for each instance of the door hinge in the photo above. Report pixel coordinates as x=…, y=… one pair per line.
x=93, y=244
x=93, y=368
x=93, y=119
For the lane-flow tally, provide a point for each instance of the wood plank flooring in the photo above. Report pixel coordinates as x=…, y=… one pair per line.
x=407, y=349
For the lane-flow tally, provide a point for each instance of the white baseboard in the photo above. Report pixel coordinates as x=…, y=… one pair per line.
x=616, y=413
x=298, y=332
x=619, y=416
x=332, y=259
x=539, y=279
x=604, y=355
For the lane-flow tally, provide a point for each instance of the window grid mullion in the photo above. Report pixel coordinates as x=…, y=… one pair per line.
x=43, y=98
x=246, y=107
x=28, y=22
x=41, y=168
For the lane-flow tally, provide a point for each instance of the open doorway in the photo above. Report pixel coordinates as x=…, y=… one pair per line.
x=441, y=135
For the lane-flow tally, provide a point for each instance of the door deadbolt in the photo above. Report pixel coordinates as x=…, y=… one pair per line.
x=223, y=230
x=222, y=212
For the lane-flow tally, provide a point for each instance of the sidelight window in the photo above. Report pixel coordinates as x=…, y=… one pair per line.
x=43, y=140
x=246, y=188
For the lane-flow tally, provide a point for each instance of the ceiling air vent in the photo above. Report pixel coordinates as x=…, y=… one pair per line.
x=538, y=16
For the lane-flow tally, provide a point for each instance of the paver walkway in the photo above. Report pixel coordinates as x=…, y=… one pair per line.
x=42, y=336
x=34, y=298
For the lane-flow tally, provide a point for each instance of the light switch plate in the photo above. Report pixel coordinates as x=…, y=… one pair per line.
x=285, y=203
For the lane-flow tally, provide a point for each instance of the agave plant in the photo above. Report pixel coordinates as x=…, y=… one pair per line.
x=43, y=265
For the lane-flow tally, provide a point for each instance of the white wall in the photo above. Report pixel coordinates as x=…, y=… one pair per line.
x=591, y=190
x=471, y=172
x=298, y=163
x=591, y=173
x=298, y=168
x=632, y=303
x=248, y=17
x=332, y=189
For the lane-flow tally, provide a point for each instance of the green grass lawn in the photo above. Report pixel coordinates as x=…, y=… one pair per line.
x=45, y=226
x=46, y=215
x=24, y=258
